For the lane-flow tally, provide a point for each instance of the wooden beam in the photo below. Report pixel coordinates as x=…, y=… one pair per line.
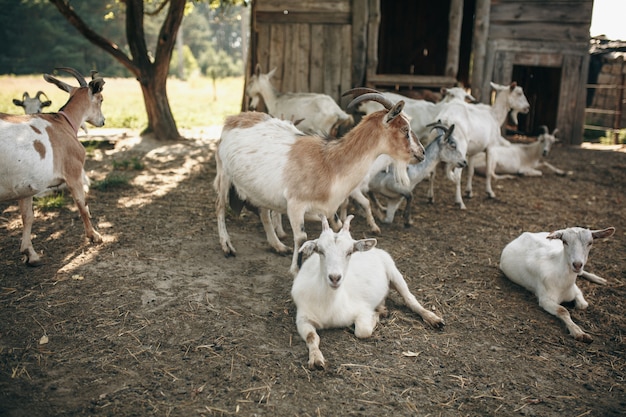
x=479, y=48
x=304, y=17
x=411, y=80
x=455, y=20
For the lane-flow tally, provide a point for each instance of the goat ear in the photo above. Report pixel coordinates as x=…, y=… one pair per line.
x=62, y=85
x=18, y=102
x=558, y=234
x=96, y=85
x=513, y=85
x=364, y=245
x=308, y=247
x=271, y=73
x=257, y=70
x=46, y=103
x=394, y=112
x=601, y=234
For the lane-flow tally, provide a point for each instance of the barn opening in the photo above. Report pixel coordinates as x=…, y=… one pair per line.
x=419, y=44
x=542, y=88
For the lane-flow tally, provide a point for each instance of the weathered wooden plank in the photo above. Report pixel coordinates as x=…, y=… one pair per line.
x=346, y=61
x=316, y=75
x=372, y=39
x=338, y=18
x=313, y=6
x=332, y=61
x=572, y=100
x=359, y=41
x=302, y=50
x=277, y=54
x=290, y=59
x=556, y=32
x=454, y=38
x=411, y=80
x=263, y=48
x=479, y=46
x=502, y=68
x=531, y=59
x=562, y=12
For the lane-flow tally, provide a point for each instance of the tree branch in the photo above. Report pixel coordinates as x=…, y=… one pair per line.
x=71, y=16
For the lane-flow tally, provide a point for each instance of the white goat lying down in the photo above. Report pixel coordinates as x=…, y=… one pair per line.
x=273, y=166
x=41, y=151
x=345, y=282
x=315, y=113
x=519, y=158
x=547, y=264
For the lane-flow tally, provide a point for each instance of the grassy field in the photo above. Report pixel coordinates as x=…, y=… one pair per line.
x=194, y=102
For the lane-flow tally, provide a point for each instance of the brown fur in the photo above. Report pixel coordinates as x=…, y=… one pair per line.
x=40, y=148
x=324, y=157
x=245, y=120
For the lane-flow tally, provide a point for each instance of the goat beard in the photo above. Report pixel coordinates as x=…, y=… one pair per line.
x=513, y=117
x=401, y=175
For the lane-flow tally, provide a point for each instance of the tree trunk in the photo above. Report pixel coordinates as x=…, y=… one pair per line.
x=152, y=74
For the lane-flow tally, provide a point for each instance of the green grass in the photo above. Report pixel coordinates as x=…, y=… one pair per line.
x=193, y=102
x=112, y=180
x=50, y=202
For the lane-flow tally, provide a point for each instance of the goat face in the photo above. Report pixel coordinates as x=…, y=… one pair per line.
x=334, y=251
x=257, y=84
x=547, y=140
x=450, y=153
x=94, y=115
x=517, y=101
x=577, y=243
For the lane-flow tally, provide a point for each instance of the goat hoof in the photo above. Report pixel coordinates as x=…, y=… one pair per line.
x=585, y=338
x=34, y=264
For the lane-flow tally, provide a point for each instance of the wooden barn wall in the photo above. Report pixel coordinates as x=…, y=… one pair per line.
x=310, y=43
x=543, y=33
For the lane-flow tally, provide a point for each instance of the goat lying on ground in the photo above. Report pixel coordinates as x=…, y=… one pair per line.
x=32, y=105
x=345, y=282
x=42, y=151
x=547, y=264
x=273, y=166
x=317, y=113
x=519, y=159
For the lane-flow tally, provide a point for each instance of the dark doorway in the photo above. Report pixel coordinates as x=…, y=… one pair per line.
x=541, y=86
x=413, y=37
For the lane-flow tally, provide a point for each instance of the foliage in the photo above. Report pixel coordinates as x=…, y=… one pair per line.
x=112, y=180
x=51, y=202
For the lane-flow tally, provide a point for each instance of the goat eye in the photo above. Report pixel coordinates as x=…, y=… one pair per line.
x=565, y=243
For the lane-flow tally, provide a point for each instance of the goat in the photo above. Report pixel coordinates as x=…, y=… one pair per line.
x=33, y=105
x=42, y=151
x=318, y=113
x=442, y=149
x=479, y=125
x=421, y=112
x=339, y=284
x=519, y=159
x=273, y=166
x=547, y=264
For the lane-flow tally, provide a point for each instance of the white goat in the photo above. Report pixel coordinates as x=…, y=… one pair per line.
x=274, y=167
x=478, y=130
x=519, y=159
x=547, y=264
x=317, y=113
x=421, y=112
x=340, y=285
x=442, y=149
x=33, y=105
x=42, y=151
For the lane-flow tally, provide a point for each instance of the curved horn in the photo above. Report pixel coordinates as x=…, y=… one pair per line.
x=346, y=223
x=25, y=95
x=544, y=128
x=325, y=225
x=377, y=97
x=79, y=77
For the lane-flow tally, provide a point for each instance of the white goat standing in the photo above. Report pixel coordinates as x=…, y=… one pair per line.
x=273, y=166
x=315, y=113
x=42, y=151
x=33, y=105
x=340, y=285
x=519, y=159
x=547, y=264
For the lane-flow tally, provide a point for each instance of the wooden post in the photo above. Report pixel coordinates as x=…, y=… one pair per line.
x=479, y=47
x=454, y=38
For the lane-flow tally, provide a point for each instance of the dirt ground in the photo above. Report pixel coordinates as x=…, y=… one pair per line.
x=155, y=321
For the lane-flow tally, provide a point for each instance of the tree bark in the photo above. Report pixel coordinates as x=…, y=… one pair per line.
x=151, y=74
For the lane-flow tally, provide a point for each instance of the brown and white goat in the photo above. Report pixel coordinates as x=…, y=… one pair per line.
x=33, y=105
x=274, y=166
x=42, y=151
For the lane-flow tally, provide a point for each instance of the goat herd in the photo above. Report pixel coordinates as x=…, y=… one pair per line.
x=291, y=161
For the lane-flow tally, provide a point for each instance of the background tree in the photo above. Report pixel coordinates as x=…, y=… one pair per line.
x=150, y=67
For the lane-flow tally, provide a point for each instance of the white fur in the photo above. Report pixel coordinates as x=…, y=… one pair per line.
x=345, y=282
x=255, y=160
x=547, y=264
x=40, y=152
x=315, y=113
